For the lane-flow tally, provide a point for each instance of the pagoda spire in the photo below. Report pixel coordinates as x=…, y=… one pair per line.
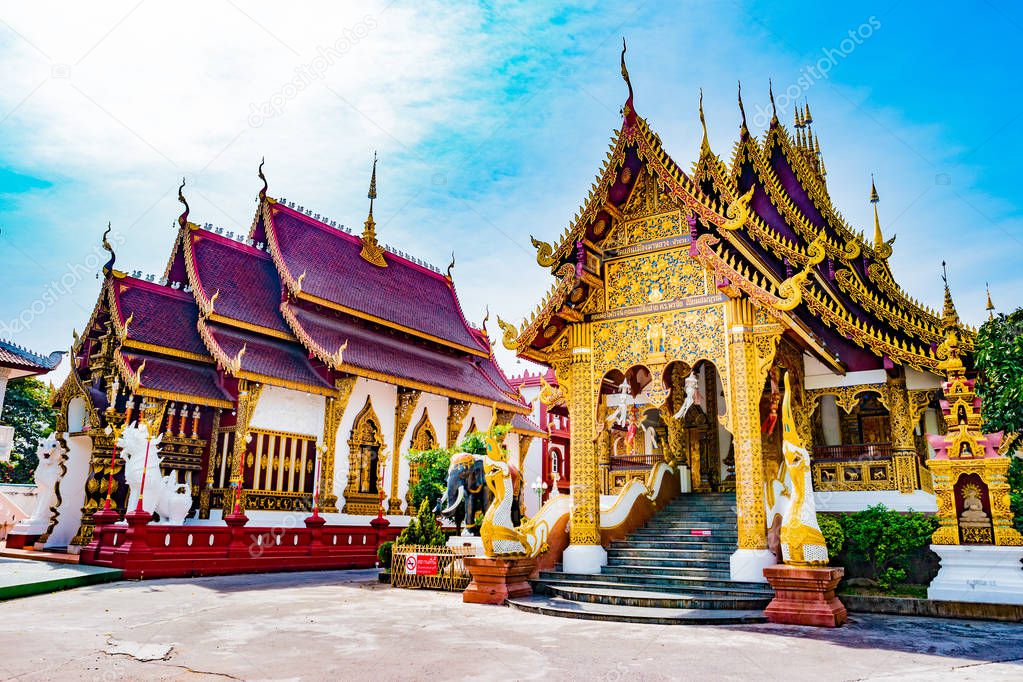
x=371, y=250
x=949, y=315
x=990, y=306
x=874, y=199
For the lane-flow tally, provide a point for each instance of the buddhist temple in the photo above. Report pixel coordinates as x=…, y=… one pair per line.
x=263, y=358
x=680, y=300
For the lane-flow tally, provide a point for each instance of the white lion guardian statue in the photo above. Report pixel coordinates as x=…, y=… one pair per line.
x=170, y=500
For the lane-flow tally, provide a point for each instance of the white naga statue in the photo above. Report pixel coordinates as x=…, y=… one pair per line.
x=163, y=495
x=50, y=454
x=692, y=388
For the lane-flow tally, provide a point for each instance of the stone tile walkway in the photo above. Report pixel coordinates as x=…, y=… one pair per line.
x=346, y=626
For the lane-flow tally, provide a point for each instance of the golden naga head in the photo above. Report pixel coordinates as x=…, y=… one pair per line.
x=795, y=452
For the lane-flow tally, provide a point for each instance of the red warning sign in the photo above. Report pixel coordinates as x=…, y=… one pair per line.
x=421, y=564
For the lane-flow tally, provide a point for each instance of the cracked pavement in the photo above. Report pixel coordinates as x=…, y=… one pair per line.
x=344, y=625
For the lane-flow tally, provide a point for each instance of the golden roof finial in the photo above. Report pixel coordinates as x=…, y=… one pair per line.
x=990, y=306
x=742, y=110
x=629, y=109
x=949, y=315
x=879, y=242
x=798, y=119
x=262, y=192
x=371, y=250
x=774, y=108
x=183, y=218
x=808, y=119
x=705, y=145
x=108, y=268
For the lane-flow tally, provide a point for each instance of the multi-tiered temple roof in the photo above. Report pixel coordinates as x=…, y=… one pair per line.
x=764, y=225
x=294, y=304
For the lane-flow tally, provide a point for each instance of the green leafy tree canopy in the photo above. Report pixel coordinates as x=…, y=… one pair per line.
x=433, y=470
x=999, y=357
x=27, y=409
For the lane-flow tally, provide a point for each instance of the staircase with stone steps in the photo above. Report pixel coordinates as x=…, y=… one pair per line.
x=673, y=570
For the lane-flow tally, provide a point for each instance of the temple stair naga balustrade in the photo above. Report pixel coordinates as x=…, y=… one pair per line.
x=673, y=570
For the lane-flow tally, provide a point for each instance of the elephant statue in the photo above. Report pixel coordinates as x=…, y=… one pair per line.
x=467, y=493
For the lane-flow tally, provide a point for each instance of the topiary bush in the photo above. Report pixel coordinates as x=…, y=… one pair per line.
x=385, y=553
x=423, y=530
x=834, y=536
x=885, y=541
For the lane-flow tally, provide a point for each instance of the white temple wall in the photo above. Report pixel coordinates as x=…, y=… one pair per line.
x=482, y=414
x=532, y=467
x=72, y=491
x=830, y=420
x=917, y=380
x=282, y=409
x=384, y=398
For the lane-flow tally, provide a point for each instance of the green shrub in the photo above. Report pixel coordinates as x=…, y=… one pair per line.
x=885, y=541
x=834, y=536
x=423, y=530
x=385, y=553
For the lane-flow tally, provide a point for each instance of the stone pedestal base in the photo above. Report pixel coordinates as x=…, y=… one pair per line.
x=20, y=538
x=805, y=596
x=588, y=559
x=747, y=565
x=978, y=573
x=496, y=580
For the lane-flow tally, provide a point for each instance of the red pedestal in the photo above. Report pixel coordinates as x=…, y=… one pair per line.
x=805, y=596
x=20, y=541
x=496, y=580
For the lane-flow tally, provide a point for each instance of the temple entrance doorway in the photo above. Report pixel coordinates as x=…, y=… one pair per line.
x=695, y=402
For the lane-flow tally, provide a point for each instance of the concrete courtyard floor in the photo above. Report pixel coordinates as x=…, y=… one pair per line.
x=345, y=626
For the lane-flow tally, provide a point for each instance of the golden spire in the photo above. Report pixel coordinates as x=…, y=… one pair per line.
x=808, y=119
x=799, y=121
x=371, y=250
x=949, y=315
x=990, y=306
x=874, y=198
x=774, y=109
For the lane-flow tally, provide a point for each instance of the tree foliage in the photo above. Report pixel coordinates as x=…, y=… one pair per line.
x=834, y=536
x=423, y=530
x=999, y=357
x=886, y=540
x=433, y=470
x=27, y=409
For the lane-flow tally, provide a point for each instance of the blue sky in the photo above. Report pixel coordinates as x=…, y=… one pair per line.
x=490, y=120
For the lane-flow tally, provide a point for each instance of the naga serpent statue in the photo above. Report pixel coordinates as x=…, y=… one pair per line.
x=802, y=543
x=500, y=537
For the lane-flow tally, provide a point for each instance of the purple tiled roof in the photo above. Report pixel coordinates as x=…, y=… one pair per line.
x=159, y=315
x=386, y=354
x=521, y=422
x=250, y=290
x=268, y=356
x=170, y=375
x=403, y=293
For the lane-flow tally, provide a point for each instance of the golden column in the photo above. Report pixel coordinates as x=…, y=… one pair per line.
x=585, y=554
x=248, y=396
x=748, y=370
x=901, y=417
